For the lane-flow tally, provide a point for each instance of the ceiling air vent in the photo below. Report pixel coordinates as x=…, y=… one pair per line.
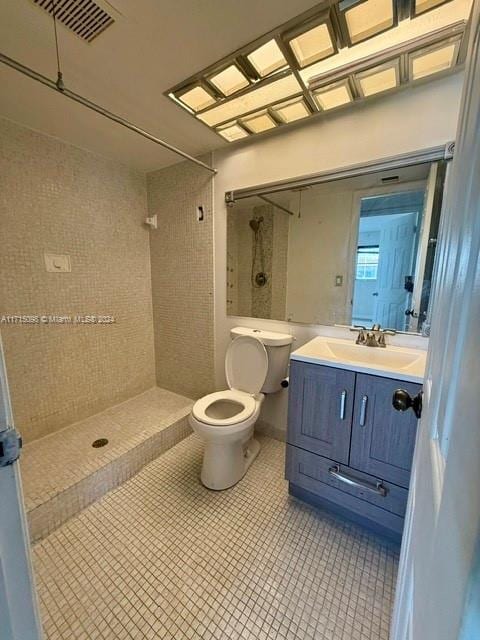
x=83, y=17
x=390, y=179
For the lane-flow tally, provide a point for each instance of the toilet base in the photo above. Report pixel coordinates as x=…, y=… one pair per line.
x=225, y=464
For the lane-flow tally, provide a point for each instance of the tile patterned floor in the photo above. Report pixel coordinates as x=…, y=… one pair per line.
x=163, y=557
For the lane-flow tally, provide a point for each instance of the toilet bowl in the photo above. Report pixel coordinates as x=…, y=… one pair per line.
x=225, y=419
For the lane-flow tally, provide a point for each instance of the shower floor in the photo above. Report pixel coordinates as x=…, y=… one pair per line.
x=63, y=473
x=163, y=557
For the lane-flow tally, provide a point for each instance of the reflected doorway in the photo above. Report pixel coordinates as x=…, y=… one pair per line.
x=386, y=255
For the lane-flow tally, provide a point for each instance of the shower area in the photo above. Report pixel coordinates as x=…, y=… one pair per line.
x=257, y=260
x=101, y=345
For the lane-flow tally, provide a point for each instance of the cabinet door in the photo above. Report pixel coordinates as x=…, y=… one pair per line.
x=382, y=438
x=320, y=405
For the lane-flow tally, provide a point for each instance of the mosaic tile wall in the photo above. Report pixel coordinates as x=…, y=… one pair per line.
x=243, y=297
x=181, y=252
x=58, y=199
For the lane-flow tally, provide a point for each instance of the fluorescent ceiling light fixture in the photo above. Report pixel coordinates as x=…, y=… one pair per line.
x=333, y=96
x=425, y=63
x=425, y=5
x=297, y=69
x=197, y=98
x=406, y=31
x=267, y=58
x=368, y=18
x=259, y=122
x=378, y=79
x=292, y=110
x=312, y=45
x=232, y=132
x=258, y=97
x=230, y=80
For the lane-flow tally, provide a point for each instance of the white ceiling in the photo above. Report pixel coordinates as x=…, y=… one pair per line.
x=153, y=45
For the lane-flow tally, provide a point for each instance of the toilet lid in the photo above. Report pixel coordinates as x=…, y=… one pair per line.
x=246, y=364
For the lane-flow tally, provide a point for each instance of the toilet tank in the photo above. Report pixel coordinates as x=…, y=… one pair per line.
x=278, y=346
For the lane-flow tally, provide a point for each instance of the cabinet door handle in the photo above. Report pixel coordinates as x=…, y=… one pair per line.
x=379, y=487
x=343, y=402
x=363, y=411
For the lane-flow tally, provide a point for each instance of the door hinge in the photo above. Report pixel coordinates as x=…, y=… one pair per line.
x=10, y=445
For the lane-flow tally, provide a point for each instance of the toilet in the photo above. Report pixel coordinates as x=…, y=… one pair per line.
x=255, y=364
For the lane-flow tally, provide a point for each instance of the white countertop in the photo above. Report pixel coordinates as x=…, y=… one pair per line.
x=399, y=363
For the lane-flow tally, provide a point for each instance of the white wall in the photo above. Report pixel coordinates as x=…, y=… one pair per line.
x=414, y=119
x=318, y=250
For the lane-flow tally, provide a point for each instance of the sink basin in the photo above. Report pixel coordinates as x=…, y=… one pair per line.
x=389, y=357
x=401, y=363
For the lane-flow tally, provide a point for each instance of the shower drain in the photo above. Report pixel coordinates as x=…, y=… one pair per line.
x=101, y=442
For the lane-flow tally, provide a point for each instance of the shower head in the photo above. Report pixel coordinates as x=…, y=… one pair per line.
x=255, y=223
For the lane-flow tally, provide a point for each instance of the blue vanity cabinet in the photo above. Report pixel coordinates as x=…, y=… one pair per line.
x=348, y=450
x=320, y=409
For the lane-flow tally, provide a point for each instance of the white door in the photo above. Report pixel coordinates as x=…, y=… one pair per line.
x=394, y=263
x=424, y=235
x=436, y=595
x=19, y=619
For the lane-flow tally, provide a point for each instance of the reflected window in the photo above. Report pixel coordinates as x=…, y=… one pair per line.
x=367, y=262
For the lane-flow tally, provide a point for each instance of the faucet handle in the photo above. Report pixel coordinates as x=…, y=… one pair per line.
x=389, y=332
x=361, y=338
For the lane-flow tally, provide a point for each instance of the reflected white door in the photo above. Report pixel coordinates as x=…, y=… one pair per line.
x=394, y=263
x=438, y=587
x=19, y=619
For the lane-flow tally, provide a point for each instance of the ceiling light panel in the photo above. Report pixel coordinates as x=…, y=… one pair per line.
x=420, y=6
x=367, y=18
x=426, y=62
x=333, y=96
x=232, y=132
x=267, y=58
x=379, y=79
x=229, y=80
x=259, y=122
x=312, y=45
x=297, y=69
x=255, y=99
x=292, y=110
x=405, y=32
x=196, y=98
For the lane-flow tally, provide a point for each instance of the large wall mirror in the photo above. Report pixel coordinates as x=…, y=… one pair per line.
x=351, y=250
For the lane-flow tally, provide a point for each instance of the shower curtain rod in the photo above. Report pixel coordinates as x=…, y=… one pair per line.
x=34, y=75
x=275, y=204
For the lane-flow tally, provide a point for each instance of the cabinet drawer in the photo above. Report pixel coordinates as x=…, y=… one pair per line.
x=350, y=488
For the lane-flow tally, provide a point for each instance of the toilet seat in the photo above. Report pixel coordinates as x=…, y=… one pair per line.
x=246, y=365
x=247, y=403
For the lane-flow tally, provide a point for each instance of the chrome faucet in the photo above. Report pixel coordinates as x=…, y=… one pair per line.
x=375, y=337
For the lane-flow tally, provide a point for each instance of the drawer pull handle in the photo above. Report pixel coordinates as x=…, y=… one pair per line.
x=363, y=411
x=377, y=488
x=343, y=402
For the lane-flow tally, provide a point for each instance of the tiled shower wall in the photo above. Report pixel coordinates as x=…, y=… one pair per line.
x=58, y=199
x=181, y=252
x=243, y=297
